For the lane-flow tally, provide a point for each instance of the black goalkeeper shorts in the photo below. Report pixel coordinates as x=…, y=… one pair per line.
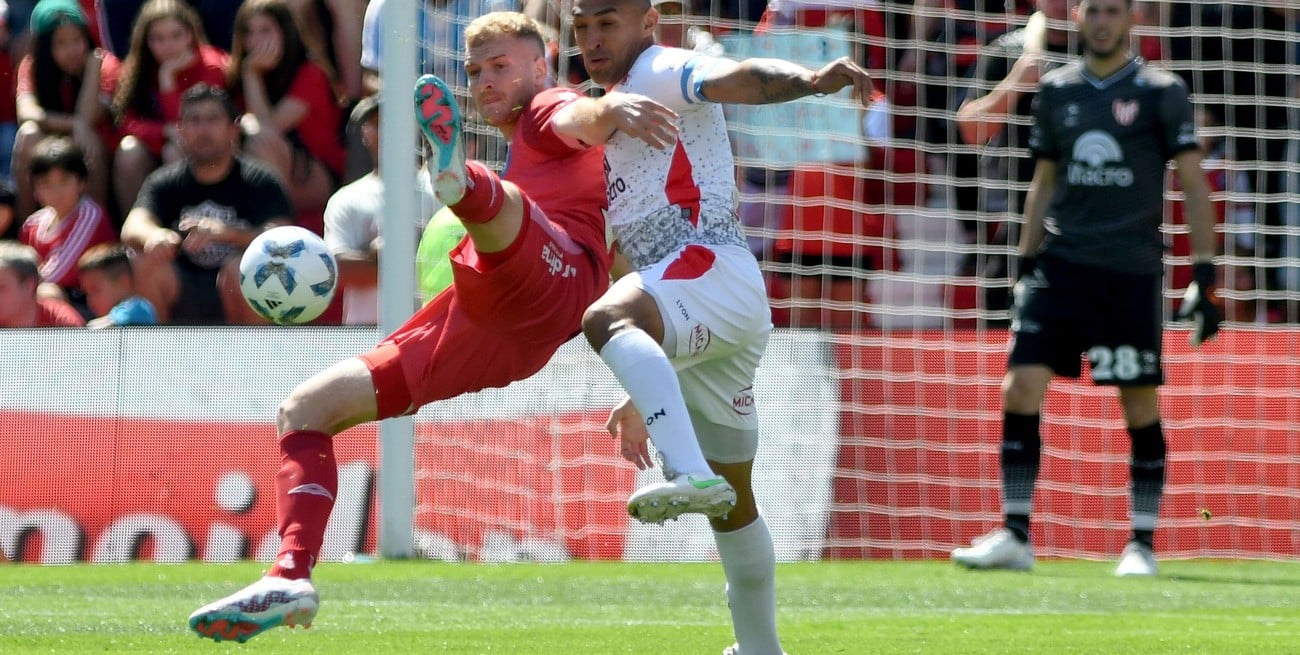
x=1113, y=318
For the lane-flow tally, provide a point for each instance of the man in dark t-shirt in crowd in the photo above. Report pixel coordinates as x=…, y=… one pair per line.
x=1091, y=249
x=193, y=219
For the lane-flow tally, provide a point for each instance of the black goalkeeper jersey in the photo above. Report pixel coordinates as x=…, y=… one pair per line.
x=1111, y=140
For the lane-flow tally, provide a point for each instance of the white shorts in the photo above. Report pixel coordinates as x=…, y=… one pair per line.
x=716, y=324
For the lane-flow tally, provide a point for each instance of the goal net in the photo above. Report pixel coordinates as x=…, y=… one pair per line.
x=888, y=243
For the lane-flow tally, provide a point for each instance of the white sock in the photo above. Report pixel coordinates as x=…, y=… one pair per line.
x=750, y=565
x=649, y=379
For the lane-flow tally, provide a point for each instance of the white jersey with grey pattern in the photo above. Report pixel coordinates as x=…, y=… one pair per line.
x=661, y=200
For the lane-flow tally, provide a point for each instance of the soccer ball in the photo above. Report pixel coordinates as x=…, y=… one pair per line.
x=288, y=275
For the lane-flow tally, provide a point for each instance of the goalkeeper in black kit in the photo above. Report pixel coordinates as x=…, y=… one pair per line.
x=1091, y=263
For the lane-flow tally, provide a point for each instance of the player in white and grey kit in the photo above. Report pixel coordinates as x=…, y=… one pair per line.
x=1104, y=129
x=685, y=329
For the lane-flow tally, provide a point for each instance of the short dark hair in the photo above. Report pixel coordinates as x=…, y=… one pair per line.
x=58, y=152
x=21, y=259
x=204, y=92
x=111, y=258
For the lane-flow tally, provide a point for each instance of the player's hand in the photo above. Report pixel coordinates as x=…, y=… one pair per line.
x=643, y=118
x=841, y=73
x=1198, y=304
x=626, y=425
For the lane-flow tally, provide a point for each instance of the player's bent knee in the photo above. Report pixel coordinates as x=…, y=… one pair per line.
x=597, y=322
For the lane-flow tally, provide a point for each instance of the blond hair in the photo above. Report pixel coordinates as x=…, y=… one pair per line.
x=504, y=23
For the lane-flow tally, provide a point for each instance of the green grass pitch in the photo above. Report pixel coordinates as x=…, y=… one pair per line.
x=857, y=608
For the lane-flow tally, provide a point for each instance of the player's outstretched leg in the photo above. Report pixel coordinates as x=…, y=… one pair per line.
x=440, y=123
x=306, y=485
x=268, y=603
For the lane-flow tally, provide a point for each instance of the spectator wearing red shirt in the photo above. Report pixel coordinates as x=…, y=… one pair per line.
x=168, y=55
x=61, y=90
x=69, y=220
x=280, y=84
x=19, y=306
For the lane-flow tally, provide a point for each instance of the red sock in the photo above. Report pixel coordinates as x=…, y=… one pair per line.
x=306, y=486
x=483, y=194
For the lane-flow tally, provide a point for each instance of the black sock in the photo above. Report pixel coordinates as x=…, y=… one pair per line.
x=1018, y=524
x=1021, y=445
x=1145, y=537
x=1147, y=471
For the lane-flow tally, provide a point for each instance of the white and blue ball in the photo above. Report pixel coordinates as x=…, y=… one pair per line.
x=288, y=275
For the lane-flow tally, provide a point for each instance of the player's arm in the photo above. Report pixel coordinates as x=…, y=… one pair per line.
x=1039, y=198
x=766, y=81
x=1198, y=302
x=593, y=121
x=1196, y=204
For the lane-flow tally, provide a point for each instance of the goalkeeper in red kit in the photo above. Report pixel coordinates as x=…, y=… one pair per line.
x=535, y=258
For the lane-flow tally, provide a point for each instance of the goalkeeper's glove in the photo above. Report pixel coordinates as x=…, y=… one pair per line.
x=1198, y=304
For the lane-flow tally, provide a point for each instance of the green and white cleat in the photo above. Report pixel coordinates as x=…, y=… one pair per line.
x=710, y=495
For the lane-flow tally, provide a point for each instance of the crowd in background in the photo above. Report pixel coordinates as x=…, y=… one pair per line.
x=91, y=135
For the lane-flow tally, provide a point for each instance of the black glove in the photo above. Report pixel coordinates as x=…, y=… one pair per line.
x=1198, y=304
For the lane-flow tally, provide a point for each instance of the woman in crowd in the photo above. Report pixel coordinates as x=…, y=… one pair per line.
x=280, y=84
x=168, y=55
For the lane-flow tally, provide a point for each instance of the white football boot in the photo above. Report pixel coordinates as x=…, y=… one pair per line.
x=710, y=495
x=999, y=549
x=1137, y=560
x=440, y=122
x=265, y=604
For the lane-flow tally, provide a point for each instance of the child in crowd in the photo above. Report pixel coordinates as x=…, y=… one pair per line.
x=109, y=282
x=61, y=90
x=69, y=221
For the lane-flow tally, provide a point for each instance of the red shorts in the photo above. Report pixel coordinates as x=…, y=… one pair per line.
x=500, y=321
